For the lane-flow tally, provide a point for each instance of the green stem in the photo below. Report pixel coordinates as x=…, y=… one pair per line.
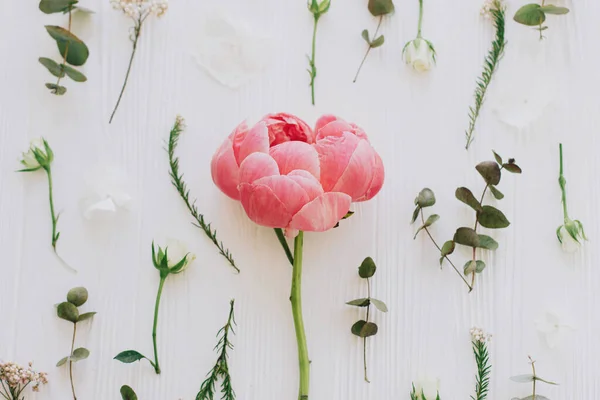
x=156, y=306
x=365, y=339
x=52, y=213
x=313, y=68
x=71, y=362
x=368, y=50
x=284, y=244
x=66, y=48
x=563, y=184
x=420, y=18
x=296, y=299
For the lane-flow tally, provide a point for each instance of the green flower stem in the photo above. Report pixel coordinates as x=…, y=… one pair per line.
x=368, y=50
x=420, y=18
x=156, y=366
x=284, y=244
x=66, y=46
x=296, y=299
x=365, y=339
x=55, y=235
x=71, y=362
x=563, y=185
x=313, y=68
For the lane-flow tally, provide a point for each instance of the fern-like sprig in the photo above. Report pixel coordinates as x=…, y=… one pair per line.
x=497, y=12
x=221, y=369
x=177, y=181
x=484, y=369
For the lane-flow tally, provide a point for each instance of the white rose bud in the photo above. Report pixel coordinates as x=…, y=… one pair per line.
x=38, y=156
x=570, y=235
x=176, y=252
x=419, y=53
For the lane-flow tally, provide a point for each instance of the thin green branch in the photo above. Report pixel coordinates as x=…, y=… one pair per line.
x=284, y=244
x=180, y=185
x=489, y=67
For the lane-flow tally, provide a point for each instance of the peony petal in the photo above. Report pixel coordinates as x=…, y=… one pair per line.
x=263, y=207
x=289, y=192
x=335, y=128
x=256, y=166
x=376, y=182
x=324, y=120
x=284, y=127
x=357, y=176
x=255, y=141
x=296, y=155
x=225, y=170
x=322, y=213
x=334, y=156
x=308, y=182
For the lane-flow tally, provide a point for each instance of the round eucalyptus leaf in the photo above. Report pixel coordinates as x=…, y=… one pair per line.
x=80, y=354
x=127, y=393
x=378, y=42
x=487, y=242
x=498, y=195
x=56, y=6
x=492, y=218
x=380, y=305
x=365, y=36
x=552, y=9
x=86, y=315
x=74, y=74
x=473, y=266
x=77, y=296
x=512, y=167
x=380, y=7
x=367, y=268
x=70, y=45
x=426, y=198
x=466, y=237
x=56, y=89
x=67, y=311
x=490, y=171
x=364, y=329
x=530, y=15
x=466, y=196
x=62, y=361
x=52, y=66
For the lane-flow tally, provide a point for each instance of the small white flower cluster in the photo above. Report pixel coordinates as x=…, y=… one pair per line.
x=180, y=121
x=16, y=376
x=138, y=9
x=478, y=335
x=490, y=5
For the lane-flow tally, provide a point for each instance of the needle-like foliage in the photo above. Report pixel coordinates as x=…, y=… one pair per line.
x=483, y=369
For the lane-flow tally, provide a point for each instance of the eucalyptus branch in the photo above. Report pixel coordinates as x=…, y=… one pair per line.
x=497, y=12
x=372, y=44
x=184, y=193
x=533, y=378
x=534, y=15
x=221, y=368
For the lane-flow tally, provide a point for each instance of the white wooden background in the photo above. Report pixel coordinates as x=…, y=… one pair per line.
x=544, y=92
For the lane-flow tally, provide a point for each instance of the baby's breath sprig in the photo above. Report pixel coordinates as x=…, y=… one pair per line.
x=221, y=368
x=535, y=14
x=184, y=192
x=15, y=378
x=138, y=11
x=377, y=8
x=72, y=49
x=480, y=340
x=533, y=378
x=487, y=216
x=69, y=311
x=317, y=10
x=166, y=265
x=364, y=328
x=497, y=11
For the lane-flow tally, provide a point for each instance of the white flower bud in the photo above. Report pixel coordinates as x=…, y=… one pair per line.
x=420, y=54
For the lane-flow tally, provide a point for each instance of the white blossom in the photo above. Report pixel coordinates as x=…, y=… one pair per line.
x=552, y=329
x=479, y=335
x=139, y=9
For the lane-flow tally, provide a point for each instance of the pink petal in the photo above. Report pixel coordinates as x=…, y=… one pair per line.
x=263, y=207
x=324, y=120
x=284, y=127
x=377, y=182
x=312, y=187
x=357, y=176
x=256, y=166
x=334, y=155
x=322, y=213
x=254, y=140
x=225, y=171
x=335, y=128
x=289, y=192
x=296, y=155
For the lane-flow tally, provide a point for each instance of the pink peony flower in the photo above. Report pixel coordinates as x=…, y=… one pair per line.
x=286, y=177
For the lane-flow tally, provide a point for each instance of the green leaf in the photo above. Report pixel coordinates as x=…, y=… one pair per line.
x=365, y=35
x=497, y=157
x=377, y=42
x=447, y=248
x=52, y=66
x=80, y=354
x=486, y=242
x=359, y=302
x=129, y=356
x=380, y=305
x=324, y=6
x=466, y=237
x=473, y=266
x=367, y=268
x=496, y=193
x=74, y=74
x=537, y=378
x=67, y=311
x=512, y=167
x=364, y=329
x=522, y=378
x=56, y=89
x=380, y=7
x=56, y=6
x=466, y=196
x=430, y=221
x=77, y=296
x=78, y=52
x=530, y=15
x=492, y=218
x=552, y=9
x=127, y=393
x=86, y=315
x=62, y=361
x=425, y=198
x=490, y=171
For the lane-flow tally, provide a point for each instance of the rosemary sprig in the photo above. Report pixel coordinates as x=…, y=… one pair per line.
x=221, y=369
x=484, y=369
x=177, y=181
x=489, y=67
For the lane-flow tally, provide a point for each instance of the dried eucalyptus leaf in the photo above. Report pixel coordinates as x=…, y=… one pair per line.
x=56, y=6
x=80, y=354
x=380, y=305
x=466, y=237
x=512, y=167
x=77, y=296
x=496, y=193
x=367, y=268
x=522, y=378
x=486, y=242
x=552, y=9
x=473, y=266
x=127, y=393
x=490, y=171
x=426, y=198
x=530, y=15
x=56, y=89
x=359, y=302
x=380, y=7
x=492, y=218
x=447, y=248
x=67, y=311
x=52, y=66
x=466, y=196
x=497, y=157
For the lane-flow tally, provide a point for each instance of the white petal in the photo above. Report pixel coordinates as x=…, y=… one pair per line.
x=105, y=193
x=95, y=209
x=568, y=244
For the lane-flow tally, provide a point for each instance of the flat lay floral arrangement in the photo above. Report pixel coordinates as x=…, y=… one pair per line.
x=272, y=217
